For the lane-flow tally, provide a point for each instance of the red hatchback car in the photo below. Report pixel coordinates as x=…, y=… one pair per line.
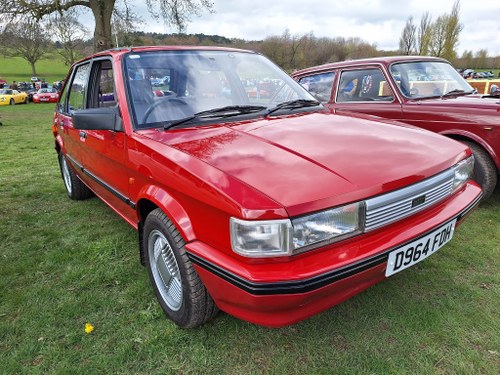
x=270, y=209
x=423, y=91
x=46, y=96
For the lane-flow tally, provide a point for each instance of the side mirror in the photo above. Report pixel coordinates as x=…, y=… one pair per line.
x=98, y=119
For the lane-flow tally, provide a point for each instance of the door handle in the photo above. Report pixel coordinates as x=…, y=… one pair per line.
x=83, y=134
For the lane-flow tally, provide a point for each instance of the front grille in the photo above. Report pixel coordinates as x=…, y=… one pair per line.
x=388, y=208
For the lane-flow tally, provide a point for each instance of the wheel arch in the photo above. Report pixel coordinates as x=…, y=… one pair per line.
x=155, y=197
x=470, y=137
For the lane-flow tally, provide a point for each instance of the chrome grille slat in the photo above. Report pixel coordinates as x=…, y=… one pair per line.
x=376, y=222
x=396, y=205
x=406, y=205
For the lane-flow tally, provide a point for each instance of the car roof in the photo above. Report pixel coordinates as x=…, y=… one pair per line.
x=383, y=60
x=125, y=50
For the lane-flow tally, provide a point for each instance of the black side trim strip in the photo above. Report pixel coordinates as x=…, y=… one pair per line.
x=112, y=190
x=306, y=285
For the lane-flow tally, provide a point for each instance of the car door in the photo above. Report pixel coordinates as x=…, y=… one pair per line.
x=73, y=98
x=104, y=159
x=366, y=90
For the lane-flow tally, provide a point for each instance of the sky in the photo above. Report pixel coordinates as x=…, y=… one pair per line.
x=378, y=22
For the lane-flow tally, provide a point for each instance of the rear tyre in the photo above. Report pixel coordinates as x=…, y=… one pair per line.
x=26, y=100
x=75, y=188
x=177, y=286
x=485, y=171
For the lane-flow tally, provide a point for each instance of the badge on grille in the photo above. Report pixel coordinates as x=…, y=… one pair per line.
x=418, y=201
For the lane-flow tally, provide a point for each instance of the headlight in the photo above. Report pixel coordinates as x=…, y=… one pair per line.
x=327, y=225
x=464, y=171
x=282, y=237
x=268, y=238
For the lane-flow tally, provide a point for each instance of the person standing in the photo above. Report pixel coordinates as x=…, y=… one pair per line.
x=13, y=85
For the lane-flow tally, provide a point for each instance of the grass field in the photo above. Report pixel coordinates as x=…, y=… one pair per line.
x=51, y=68
x=66, y=263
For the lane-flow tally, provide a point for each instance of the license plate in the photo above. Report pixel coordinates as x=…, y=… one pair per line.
x=416, y=251
x=44, y=99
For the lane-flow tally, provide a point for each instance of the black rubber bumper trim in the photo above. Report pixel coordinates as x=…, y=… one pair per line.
x=310, y=284
x=102, y=183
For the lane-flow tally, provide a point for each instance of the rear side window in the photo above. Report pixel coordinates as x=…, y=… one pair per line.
x=78, y=88
x=319, y=85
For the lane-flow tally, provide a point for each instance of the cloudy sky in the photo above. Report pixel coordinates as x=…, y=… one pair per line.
x=376, y=21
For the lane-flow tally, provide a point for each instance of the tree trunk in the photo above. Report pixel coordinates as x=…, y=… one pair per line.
x=102, y=10
x=33, y=69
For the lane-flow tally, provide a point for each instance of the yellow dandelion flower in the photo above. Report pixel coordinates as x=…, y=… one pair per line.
x=88, y=327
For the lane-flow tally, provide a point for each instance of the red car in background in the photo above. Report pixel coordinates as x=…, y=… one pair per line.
x=422, y=91
x=46, y=96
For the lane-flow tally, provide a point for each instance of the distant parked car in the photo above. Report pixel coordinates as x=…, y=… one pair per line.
x=46, y=96
x=488, y=75
x=11, y=97
x=442, y=101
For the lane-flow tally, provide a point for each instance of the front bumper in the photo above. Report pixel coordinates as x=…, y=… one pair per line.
x=282, y=292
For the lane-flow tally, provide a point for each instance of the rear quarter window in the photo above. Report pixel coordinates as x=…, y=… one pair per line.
x=319, y=85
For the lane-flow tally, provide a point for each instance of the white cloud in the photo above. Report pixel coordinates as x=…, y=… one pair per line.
x=377, y=21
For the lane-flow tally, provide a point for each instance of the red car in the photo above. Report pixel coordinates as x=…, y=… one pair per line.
x=423, y=91
x=270, y=209
x=46, y=96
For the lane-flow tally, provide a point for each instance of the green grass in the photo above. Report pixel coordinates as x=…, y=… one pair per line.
x=65, y=263
x=51, y=67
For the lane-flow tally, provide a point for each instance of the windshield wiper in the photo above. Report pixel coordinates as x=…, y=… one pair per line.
x=227, y=111
x=298, y=103
x=455, y=91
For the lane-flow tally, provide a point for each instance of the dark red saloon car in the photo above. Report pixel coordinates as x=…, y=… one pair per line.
x=269, y=208
x=423, y=91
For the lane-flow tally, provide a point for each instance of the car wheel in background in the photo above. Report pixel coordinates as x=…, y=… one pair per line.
x=75, y=188
x=177, y=286
x=484, y=169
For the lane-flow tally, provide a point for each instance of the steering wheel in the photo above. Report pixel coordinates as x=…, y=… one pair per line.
x=162, y=102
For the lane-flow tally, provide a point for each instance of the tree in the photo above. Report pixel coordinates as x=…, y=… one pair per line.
x=445, y=34
x=467, y=60
x=69, y=33
x=174, y=12
x=407, y=41
x=424, y=34
x=26, y=39
x=437, y=42
x=453, y=28
x=481, y=58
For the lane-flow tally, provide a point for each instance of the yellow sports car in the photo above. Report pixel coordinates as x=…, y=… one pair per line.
x=11, y=97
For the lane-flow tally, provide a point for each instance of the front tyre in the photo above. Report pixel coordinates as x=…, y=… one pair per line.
x=177, y=286
x=485, y=171
x=75, y=188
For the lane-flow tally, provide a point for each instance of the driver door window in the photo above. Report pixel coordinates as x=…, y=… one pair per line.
x=363, y=86
x=78, y=89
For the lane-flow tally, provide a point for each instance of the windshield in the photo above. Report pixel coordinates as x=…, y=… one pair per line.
x=423, y=79
x=169, y=86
